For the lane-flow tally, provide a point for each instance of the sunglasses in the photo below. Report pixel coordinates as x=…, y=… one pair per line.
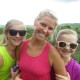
x=13, y=32
x=64, y=44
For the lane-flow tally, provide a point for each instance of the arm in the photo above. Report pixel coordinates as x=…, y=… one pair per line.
x=57, y=62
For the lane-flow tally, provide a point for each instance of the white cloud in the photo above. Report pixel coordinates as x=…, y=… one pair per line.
x=27, y=10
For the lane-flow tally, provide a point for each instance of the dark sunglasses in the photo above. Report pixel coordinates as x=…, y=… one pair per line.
x=64, y=44
x=13, y=32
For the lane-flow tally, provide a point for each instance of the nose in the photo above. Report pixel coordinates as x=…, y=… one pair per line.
x=45, y=29
x=67, y=47
x=17, y=35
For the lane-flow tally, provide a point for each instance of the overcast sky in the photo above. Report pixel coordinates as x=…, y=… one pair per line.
x=67, y=11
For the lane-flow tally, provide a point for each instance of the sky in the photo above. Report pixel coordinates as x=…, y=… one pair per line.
x=67, y=11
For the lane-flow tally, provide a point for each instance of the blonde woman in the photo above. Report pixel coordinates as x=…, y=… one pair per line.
x=14, y=33
x=37, y=54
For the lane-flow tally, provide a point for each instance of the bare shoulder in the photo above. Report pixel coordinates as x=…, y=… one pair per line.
x=54, y=52
x=54, y=55
x=1, y=61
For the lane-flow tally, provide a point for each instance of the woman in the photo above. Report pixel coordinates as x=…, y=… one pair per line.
x=37, y=54
x=14, y=33
x=66, y=43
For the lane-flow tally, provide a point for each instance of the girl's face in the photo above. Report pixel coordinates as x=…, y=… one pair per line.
x=44, y=28
x=16, y=34
x=66, y=45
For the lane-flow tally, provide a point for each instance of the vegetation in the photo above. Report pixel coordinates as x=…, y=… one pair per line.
x=74, y=26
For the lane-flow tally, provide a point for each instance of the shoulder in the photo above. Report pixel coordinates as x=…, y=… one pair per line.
x=76, y=65
x=54, y=52
x=26, y=41
x=1, y=60
x=76, y=70
x=54, y=55
x=1, y=46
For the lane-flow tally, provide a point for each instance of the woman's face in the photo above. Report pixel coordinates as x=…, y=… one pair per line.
x=44, y=28
x=16, y=34
x=66, y=45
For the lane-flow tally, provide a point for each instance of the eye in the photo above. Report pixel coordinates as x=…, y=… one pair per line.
x=43, y=24
x=50, y=28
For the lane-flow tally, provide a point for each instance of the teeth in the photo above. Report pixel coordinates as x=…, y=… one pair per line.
x=41, y=34
x=16, y=40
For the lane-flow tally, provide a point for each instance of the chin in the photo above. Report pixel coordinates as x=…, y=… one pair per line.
x=65, y=56
x=16, y=44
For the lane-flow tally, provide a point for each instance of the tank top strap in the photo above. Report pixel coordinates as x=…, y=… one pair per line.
x=47, y=48
x=24, y=46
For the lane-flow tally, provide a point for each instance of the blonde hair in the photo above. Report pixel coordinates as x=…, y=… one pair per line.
x=46, y=13
x=66, y=31
x=7, y=26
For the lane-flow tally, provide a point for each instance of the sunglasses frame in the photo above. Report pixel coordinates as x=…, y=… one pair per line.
x=14, y=32
x=67, y=44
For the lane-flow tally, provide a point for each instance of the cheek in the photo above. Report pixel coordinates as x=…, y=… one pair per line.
x=21, y=38
x=37, y=26
x=49, y=33
x=73, y=51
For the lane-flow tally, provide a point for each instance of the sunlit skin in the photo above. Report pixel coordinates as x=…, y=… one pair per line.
x=44, y=28
x=67, y=51
x=17, y=39
x=14, y=41
x=38, y=42
x=11, y=40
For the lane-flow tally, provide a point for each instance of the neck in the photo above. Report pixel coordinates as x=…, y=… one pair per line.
x=38, y=42
x=66, y=60
x=10, y=47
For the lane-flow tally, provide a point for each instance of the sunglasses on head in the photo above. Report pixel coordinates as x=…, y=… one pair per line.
x=13, y=32
x=64, y=44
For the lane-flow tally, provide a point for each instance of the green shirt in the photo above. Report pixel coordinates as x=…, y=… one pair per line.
x=8, y=63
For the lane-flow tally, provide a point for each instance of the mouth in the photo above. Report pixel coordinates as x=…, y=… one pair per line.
x=41, y=34
x=17, y=40
x=65, y=52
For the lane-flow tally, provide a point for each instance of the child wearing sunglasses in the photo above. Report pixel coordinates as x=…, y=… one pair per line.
x=66, y=44
x=14, y=33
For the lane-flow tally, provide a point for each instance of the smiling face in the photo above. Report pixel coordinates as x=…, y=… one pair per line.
x=44, y=24
x=67, y=49
x=16, y=39
x=44, y=28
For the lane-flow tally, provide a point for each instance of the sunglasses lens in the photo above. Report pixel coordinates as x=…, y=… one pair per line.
x=73, y=45
x=12, y=32
x=62, y=44
x=22, y=33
